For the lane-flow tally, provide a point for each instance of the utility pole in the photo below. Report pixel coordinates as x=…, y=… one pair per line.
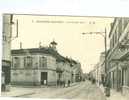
x=105, y=41
x=104, y=34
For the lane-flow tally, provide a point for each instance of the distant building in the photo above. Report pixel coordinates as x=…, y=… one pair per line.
x=102, y=68
x=118, y=57
x=40, y=66
x=92, y=74
x=98, y=73
x=77, y=73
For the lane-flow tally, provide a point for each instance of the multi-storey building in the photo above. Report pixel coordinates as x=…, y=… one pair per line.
x=118, y=56
x=40, y=66
x=6, y=49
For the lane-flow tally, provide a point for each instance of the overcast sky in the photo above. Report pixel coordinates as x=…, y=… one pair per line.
x=66, y=31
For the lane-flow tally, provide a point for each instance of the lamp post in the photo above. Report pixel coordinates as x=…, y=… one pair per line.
x=104, y=34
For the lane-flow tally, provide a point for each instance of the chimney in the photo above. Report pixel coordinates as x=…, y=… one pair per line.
x=20, y=45
x=40, y=45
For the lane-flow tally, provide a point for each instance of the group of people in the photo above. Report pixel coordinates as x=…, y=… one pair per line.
x=93, y=80
x=63, y=83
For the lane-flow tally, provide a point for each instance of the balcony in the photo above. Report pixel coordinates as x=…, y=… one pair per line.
x=59, y=70
x=122, y=47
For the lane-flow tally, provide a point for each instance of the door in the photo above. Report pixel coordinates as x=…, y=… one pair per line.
x=43, y=78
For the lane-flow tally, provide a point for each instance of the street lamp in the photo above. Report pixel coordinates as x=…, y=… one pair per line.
x=104, y=35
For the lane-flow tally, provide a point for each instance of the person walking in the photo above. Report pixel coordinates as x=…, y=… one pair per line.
x=107, y=88
x=68, y=83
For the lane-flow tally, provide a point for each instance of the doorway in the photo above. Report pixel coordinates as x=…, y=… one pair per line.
x=43, y=78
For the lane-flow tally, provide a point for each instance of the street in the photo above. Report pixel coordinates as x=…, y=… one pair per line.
x=83, y=90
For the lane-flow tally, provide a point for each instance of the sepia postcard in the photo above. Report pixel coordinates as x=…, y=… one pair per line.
x=64, y=49
x=65, y=57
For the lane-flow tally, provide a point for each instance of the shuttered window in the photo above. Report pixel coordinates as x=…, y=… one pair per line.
x=16, y=62
x=28, y=62
x=43, y=62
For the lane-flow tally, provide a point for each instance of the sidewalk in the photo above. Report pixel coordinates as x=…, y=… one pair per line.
x=17, y=91
x=114, y=95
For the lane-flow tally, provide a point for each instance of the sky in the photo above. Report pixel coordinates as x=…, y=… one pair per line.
x=67, y=32
x=66, y=7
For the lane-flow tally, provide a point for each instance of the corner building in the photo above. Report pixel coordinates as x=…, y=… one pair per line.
x=40, y=66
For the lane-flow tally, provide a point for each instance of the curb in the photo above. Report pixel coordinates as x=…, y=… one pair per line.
x=24, y=94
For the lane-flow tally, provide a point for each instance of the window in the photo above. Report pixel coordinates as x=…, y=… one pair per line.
x=113, y=41
x=116, y=38
x=43, y=62
x=120, y=27
x=28, y=62
x=16, y=62
x=4, y=38
x=125, y=22
x=111, y=44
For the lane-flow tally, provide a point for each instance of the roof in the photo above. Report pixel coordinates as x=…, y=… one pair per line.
x=44, y=50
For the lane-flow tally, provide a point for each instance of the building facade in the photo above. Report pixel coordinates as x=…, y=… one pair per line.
x=118, y=57
x=102, y=68
x=40, y=66
x=6, y=49
x=77, y=74
x=98, y=73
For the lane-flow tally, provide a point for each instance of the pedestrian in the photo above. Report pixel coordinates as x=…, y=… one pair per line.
x=107, y=88
x=68, y=83
x=57, y=82
x=3, y=88
x=63, y=83
x=93, y=81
